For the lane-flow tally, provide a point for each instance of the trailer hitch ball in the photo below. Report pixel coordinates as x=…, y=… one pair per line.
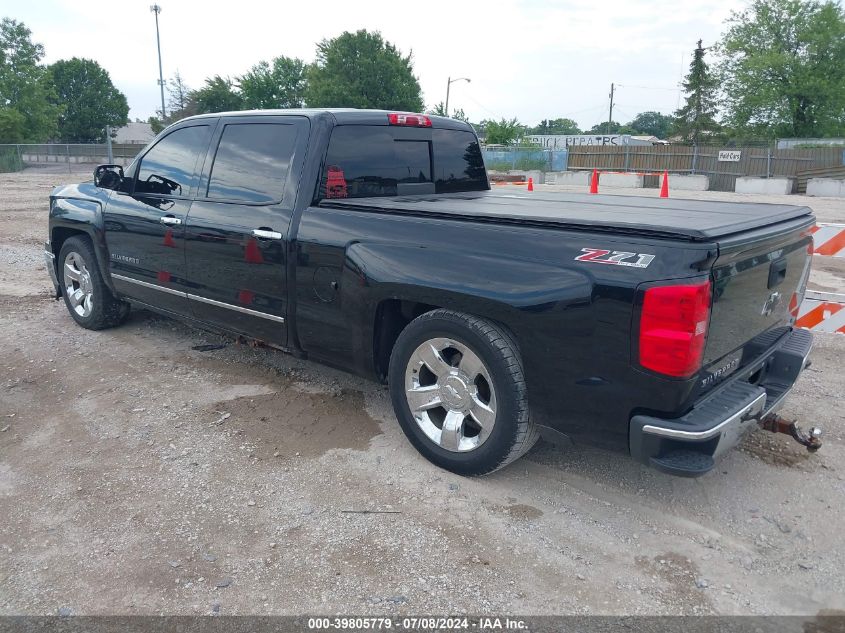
x=811, y=439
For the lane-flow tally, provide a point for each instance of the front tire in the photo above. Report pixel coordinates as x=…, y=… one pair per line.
x=87, y=298
x=458, y=391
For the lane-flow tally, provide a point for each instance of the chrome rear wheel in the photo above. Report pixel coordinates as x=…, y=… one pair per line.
x=450, y=393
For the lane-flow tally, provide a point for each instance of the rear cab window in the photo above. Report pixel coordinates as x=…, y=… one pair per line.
x=370, y=161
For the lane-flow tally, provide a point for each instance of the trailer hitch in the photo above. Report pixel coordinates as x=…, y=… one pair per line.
x=776, y=424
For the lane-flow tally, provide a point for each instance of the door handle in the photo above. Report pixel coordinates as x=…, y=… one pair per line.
x=267, y=234
x=170, y=220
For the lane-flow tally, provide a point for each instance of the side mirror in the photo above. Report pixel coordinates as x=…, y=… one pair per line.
x=108, y=176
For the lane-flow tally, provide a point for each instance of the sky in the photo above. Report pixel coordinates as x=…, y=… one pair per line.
x=528, y=59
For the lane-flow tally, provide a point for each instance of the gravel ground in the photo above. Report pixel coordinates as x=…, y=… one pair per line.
x=140, y=476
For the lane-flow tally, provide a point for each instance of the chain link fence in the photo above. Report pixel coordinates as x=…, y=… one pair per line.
x=763, y=162
x=524, y=159
x=14, y=157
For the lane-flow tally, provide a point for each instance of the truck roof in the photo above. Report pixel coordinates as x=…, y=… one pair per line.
x=341, y=116
x=695, y=220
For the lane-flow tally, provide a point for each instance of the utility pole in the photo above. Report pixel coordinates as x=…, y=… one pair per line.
x=157, y=9
x=449, y=85
x=108, y=145
x=610, y=116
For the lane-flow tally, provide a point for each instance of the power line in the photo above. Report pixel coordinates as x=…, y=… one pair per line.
x=476, y=102
x=646, y=87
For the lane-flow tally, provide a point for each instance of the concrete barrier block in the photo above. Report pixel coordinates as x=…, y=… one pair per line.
x=768, y=186
x=830, y=187
x=574, y=178
x=626, y=181
x=688, y=182
x=536, y=174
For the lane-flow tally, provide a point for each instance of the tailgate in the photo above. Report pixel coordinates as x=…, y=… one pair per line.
x=758, y=280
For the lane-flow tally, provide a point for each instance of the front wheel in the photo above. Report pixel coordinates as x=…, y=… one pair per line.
x=458, y=390
x=88, y=299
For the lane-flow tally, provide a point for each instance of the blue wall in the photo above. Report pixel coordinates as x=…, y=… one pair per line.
x=556, y=160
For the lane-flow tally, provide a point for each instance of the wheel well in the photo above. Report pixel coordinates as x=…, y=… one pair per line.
x=60, y=235
x=392, y=316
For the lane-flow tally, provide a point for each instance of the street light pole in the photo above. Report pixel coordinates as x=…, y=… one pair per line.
x=157, y=9
x=449, y=83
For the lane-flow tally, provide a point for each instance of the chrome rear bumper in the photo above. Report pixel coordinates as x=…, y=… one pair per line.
x=688, y=445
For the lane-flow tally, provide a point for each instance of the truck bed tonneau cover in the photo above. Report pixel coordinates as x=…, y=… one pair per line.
x=695, y=220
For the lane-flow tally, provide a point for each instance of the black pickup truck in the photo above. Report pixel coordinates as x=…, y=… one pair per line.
x=371, y=241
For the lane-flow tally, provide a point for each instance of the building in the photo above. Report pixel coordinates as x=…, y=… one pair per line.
x=565, y=141
x=134, y=134
x=799, y=143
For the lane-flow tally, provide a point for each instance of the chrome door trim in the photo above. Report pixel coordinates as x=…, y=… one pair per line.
x=170, y=221
x=149, y=285
x=221, y=304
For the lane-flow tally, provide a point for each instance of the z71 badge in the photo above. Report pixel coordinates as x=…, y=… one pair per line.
x=616, y=258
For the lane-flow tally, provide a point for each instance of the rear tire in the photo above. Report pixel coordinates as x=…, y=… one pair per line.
x=458, y=391
x=87, y=297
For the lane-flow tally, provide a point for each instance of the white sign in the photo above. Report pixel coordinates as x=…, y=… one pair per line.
x=563, y=141
x=730, y=156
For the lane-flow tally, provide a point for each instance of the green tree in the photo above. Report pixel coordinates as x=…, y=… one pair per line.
x=502, y=132
x=460, y=115
x=89, y=99
x=613, y=128
x=651, y=123
x=556, y=126
x=440, y=110
x=12, y=125
x=156, y=124
x=180, y=102
x=217, y=95
x=280, y=84
x=362, y=70
x=25, y=86
x=783, y=68
x=179, y=93
x=697, y=117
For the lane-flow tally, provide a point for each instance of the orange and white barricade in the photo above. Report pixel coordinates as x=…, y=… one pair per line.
x=829, y=240
x=822, y=312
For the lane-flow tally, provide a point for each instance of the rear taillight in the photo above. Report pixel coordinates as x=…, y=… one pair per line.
x=409, y=120
x=673, y=328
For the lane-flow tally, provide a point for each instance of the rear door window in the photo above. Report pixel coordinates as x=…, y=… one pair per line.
x=366, y=161
x=169, y=168
x=252, y=162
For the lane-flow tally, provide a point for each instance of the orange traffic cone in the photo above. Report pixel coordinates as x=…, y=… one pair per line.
x=664, y=190
x=594, y=182
x=530, y=184
x=168, y=238
x=252, y=254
